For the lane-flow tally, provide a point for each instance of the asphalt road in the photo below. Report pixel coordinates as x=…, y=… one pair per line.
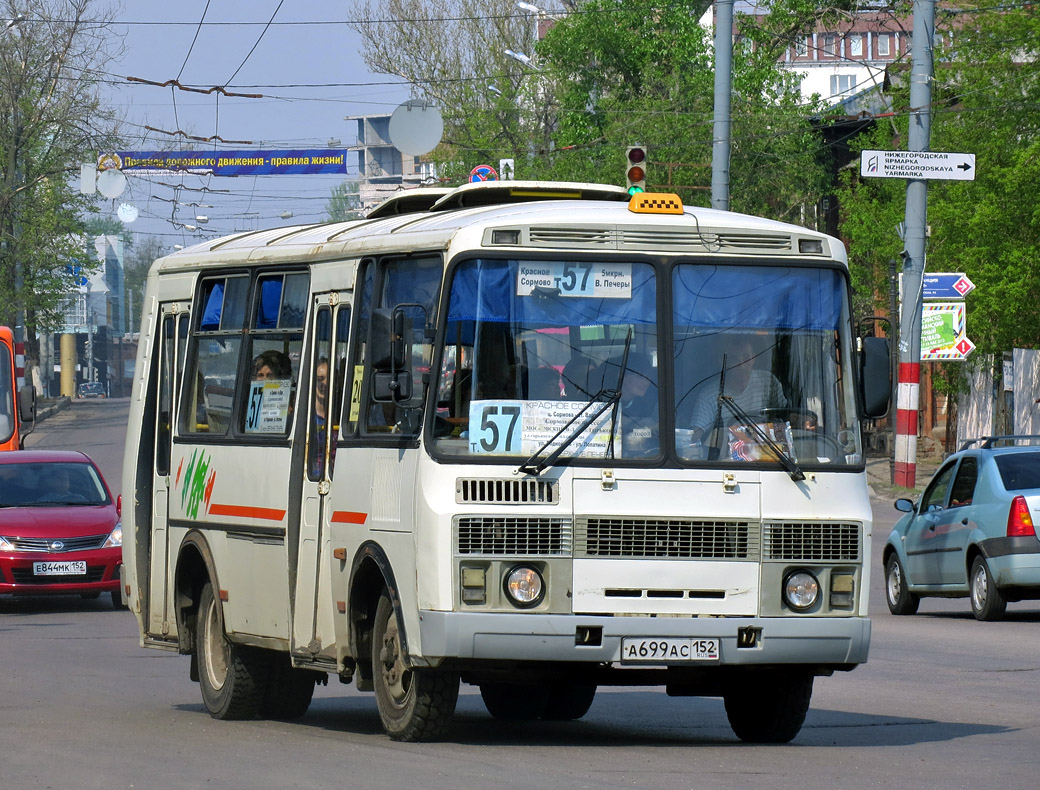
x=944, y=702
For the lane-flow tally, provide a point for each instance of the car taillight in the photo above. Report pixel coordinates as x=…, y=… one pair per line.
x=1020, y=523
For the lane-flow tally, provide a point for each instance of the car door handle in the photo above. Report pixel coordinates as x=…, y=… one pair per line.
x=964, y=521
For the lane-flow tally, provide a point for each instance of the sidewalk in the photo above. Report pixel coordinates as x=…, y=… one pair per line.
x=879, y=476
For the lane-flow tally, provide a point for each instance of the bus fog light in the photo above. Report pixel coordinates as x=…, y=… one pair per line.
x=842, y=589
x=524, y=586
x=474, y=588
x=801, y=590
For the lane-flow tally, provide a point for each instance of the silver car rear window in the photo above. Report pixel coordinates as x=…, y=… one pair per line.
x=1019, y=471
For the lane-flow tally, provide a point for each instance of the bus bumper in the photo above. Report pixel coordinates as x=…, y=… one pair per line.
x=527, y=637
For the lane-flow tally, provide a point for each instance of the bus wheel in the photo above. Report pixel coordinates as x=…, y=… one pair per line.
x=289, y=690
x=768, y=707
x=569, y=701
x=414, y=704
x=513, y=701
x=233, y=677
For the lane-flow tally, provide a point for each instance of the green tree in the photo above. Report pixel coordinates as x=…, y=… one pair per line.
x=344, y=203
x=607, y=75
x=52, y=118
x=985, y=98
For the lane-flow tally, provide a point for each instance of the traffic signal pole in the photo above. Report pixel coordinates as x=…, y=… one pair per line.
x=723, y=87
x=908, y=388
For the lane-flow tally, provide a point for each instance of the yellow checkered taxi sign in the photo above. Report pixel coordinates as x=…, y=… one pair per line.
x=655, y=203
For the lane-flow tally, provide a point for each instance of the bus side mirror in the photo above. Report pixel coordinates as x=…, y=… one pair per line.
x=875, y=376
x=27, y=403
x=387, y=345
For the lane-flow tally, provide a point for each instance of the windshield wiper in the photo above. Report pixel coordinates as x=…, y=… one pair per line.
x=785, y=460
x=606, y=399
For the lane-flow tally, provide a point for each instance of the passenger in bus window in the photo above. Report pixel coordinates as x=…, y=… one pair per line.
x=271, y=364
x=319, y=427
x=582, y=378
x=752, y=389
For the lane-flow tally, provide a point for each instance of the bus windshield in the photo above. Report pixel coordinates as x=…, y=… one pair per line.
x=535, y=348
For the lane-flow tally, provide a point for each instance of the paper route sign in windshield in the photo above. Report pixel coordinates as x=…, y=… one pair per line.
x=520, y=427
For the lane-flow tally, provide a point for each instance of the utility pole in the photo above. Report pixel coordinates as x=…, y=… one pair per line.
x=723, y=89
x=908, y=389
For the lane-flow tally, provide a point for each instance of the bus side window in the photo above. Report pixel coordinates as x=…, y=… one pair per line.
x=414, y=284
x=275, y=345
x=216, y=343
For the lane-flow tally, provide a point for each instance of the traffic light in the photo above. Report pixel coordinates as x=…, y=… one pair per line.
x=635, y=169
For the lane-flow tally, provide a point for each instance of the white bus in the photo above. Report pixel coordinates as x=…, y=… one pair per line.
x=538, y=438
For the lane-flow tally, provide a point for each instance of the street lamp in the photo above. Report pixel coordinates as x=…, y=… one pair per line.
x=519, y=57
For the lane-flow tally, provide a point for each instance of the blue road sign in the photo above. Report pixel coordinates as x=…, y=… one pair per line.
x=946, y=285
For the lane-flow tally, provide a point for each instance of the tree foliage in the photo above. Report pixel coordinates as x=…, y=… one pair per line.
x=52, y=118
x=607, y=75
x=344, y=203
x=985, y=98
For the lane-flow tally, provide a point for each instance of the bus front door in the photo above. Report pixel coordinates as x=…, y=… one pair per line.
x=171, y=343
x=313, y=618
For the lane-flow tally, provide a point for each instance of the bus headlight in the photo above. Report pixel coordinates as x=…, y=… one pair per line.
x=524, y=586
x=801, y=590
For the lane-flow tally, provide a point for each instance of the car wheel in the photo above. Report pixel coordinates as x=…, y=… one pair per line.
x=514, y=701
x=117, y=600
x=93, y=595
x=900, y=599
x=768, y=707
x=233, y=677
x=987, y=602
x=569, y=701
x=414, y=704
x=289, y=690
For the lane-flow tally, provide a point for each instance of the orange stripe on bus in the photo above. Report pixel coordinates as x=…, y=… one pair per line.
x=246, y=511
x=348, y=517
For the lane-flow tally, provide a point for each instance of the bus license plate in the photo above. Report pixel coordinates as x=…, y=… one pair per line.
x=75, y=568
x=668, y=650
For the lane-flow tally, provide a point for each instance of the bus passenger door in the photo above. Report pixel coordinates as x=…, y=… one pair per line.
x=313, y=636
x=171, y=342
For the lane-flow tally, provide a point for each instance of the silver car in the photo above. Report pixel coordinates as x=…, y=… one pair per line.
x=971, y=534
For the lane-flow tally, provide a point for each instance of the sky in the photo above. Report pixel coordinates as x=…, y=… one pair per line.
x=308, y=66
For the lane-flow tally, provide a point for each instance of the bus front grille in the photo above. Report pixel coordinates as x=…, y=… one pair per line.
x=610, y=536
x=811, y=541
x=499, y=536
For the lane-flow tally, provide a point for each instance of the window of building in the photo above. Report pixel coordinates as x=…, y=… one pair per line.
x=856, y=45
x=801, y=46
x=842, y=84
x=830, y=44
x=884, y=45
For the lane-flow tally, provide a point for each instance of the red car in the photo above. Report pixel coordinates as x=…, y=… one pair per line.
x=60, y=530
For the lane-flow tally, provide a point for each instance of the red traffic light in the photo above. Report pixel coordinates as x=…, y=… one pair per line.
x=635, y=170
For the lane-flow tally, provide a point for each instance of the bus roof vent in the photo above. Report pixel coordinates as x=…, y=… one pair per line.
x=572, y=237
x=496, y=491
x=747, y=241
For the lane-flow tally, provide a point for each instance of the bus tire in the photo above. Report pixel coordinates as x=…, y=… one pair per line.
x=768, y=707
x=289, y=690
x=569, y=701
x=414, y=704
x=232, y=677
x=514, y=701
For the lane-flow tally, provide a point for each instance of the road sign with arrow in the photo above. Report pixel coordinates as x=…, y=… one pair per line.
x=917, y=165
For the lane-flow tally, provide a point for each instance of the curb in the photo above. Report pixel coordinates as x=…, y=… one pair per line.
x=51, y=406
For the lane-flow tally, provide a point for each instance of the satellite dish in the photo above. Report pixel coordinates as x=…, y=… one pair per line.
x=127, y=212
x=111, y=183
x=416, y=127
